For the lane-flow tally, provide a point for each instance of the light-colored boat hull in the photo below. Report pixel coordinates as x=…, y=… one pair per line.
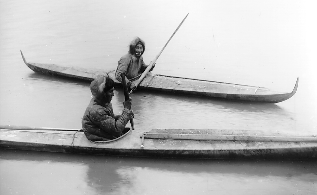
x=209, y=144
x=176, y=85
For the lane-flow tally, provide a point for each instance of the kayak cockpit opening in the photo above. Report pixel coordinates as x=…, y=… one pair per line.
x=127, y=132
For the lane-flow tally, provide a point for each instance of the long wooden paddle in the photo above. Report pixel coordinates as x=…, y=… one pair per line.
x=126, y=95
x=137, y=82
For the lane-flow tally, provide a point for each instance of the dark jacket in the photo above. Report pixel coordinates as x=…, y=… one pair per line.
x=99, y=122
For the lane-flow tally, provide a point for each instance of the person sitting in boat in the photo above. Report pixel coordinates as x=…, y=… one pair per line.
x=99, y=122
x=132, y=64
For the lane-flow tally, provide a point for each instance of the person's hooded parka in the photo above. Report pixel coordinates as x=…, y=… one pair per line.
x=129, y=64
x=99, y=122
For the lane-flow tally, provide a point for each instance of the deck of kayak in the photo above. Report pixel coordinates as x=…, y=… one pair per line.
x=172, y=143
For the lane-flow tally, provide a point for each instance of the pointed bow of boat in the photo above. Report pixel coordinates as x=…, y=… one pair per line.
x=282, y=97
x=295, y=88
x=23, y=57
x=289, y=95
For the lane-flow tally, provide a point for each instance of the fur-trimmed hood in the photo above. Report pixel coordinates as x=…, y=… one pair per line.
x=100, y=84
x=97, y=86
x=133, y=43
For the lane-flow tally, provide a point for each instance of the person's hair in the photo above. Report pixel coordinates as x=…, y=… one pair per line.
x=109, y=84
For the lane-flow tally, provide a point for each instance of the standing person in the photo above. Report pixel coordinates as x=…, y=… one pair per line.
x=132, y=64
x=99, y=122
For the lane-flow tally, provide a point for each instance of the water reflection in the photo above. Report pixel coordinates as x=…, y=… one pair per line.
x=76, y=174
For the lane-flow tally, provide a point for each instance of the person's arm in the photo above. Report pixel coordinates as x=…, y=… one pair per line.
x=123, y=65
x=124, y=119
x=144, y=66
x=111, y=125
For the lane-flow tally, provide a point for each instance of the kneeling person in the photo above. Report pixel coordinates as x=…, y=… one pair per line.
x=99, y=122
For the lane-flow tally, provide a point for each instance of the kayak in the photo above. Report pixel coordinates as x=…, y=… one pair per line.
x=172, y=84
x=165, y=143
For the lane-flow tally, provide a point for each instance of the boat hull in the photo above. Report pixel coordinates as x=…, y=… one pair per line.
x=137, y=144
x=176, y=85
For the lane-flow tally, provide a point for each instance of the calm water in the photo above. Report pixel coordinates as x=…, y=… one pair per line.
x=267, y=44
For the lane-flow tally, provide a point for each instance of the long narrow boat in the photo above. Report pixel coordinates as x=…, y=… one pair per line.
x=171, y=84
x=165, y=143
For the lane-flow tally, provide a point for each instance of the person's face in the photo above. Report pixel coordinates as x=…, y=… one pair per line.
x=138, y=50
x=108, y=95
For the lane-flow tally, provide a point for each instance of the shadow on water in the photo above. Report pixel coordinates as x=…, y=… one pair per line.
x=96, y=163
x=56, y=79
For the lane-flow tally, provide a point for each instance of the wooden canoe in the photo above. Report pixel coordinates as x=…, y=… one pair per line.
x=165, y=143
x=171, y=84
